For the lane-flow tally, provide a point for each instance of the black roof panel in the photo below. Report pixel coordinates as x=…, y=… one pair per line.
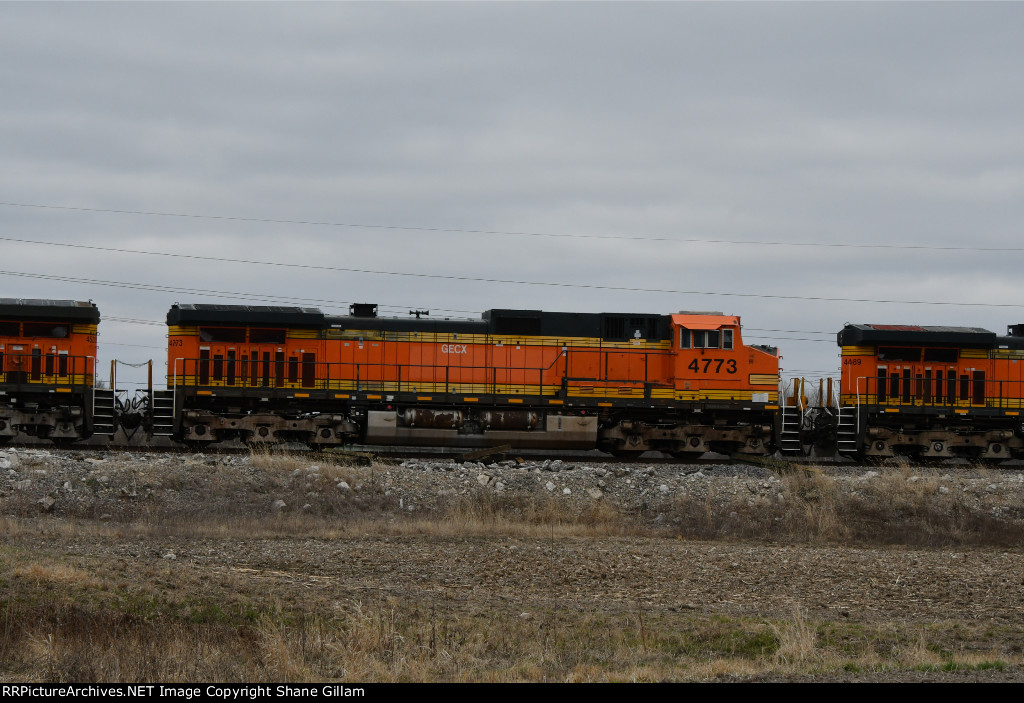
x=916, y=335
x=39, y=309
x=248, y=315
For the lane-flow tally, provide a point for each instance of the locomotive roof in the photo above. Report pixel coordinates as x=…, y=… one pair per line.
x=202, y=313
x=611, y=326
x=523, y=323
x=938, y=336
x=40, y=309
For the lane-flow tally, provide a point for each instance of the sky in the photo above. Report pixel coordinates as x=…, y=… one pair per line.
x=801, y=165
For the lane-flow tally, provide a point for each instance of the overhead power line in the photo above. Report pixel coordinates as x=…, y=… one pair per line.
x=581, y=286
x=508, y=233
x=233, y=295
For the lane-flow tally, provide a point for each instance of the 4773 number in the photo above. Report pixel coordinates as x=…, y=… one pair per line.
x=713, y=366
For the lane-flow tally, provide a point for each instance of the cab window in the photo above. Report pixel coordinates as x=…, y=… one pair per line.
x=46, y=329
x=707, y=339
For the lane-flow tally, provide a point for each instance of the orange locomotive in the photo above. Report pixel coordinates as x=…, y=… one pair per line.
x=47, y=366
x=623, y=383
x=931, y=392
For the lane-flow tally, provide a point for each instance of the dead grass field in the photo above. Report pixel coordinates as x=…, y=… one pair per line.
x=907, y=576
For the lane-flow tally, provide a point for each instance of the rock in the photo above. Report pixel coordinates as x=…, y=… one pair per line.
x=499, y=486
x=663, y=488
x=550, y=486
x=46, y=503
x=595, y=493
x=343, y=486
x=23, y=485
x=6, y=463
x=483, y=479
x=567, y=491
x=170, y=556
x=278, y=505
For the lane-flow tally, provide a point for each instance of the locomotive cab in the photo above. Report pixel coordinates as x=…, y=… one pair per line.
x=47, y=359
x=930, y=392
x=712, y=363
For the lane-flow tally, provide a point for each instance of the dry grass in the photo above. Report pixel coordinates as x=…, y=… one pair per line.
x=901, y=505
x=65, y=639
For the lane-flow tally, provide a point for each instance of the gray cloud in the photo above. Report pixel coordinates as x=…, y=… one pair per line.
x=887, y=123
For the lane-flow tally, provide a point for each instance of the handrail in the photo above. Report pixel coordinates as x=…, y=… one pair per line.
x=933, y=393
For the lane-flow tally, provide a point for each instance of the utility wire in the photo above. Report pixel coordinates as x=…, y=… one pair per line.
x=503, y=233
x=579, y=286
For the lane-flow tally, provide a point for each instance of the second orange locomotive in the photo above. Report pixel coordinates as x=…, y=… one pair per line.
x=623, y=383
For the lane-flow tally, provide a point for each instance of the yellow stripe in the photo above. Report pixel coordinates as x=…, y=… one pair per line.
x=302, y=395
x=1001, y=354
x=764, y=379
x=470, y=400
x=302, y=334
x=858, y=351
x=556, y=402
x=83, y=329
x=515, y=400
x=176, y=331
x=63, y=390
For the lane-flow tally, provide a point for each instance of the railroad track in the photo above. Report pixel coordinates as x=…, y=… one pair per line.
x=360, y=453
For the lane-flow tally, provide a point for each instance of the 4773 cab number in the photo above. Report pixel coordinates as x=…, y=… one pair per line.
x=712, y=366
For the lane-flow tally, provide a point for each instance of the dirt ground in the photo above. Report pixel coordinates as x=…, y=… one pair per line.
x=970, y=600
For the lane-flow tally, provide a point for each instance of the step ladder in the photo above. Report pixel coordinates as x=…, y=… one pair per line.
x=103, y=404
x=790, y=438
x=847, y=430
x=161, y=413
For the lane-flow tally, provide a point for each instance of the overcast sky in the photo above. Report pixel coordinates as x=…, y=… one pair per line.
x=418, y=153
